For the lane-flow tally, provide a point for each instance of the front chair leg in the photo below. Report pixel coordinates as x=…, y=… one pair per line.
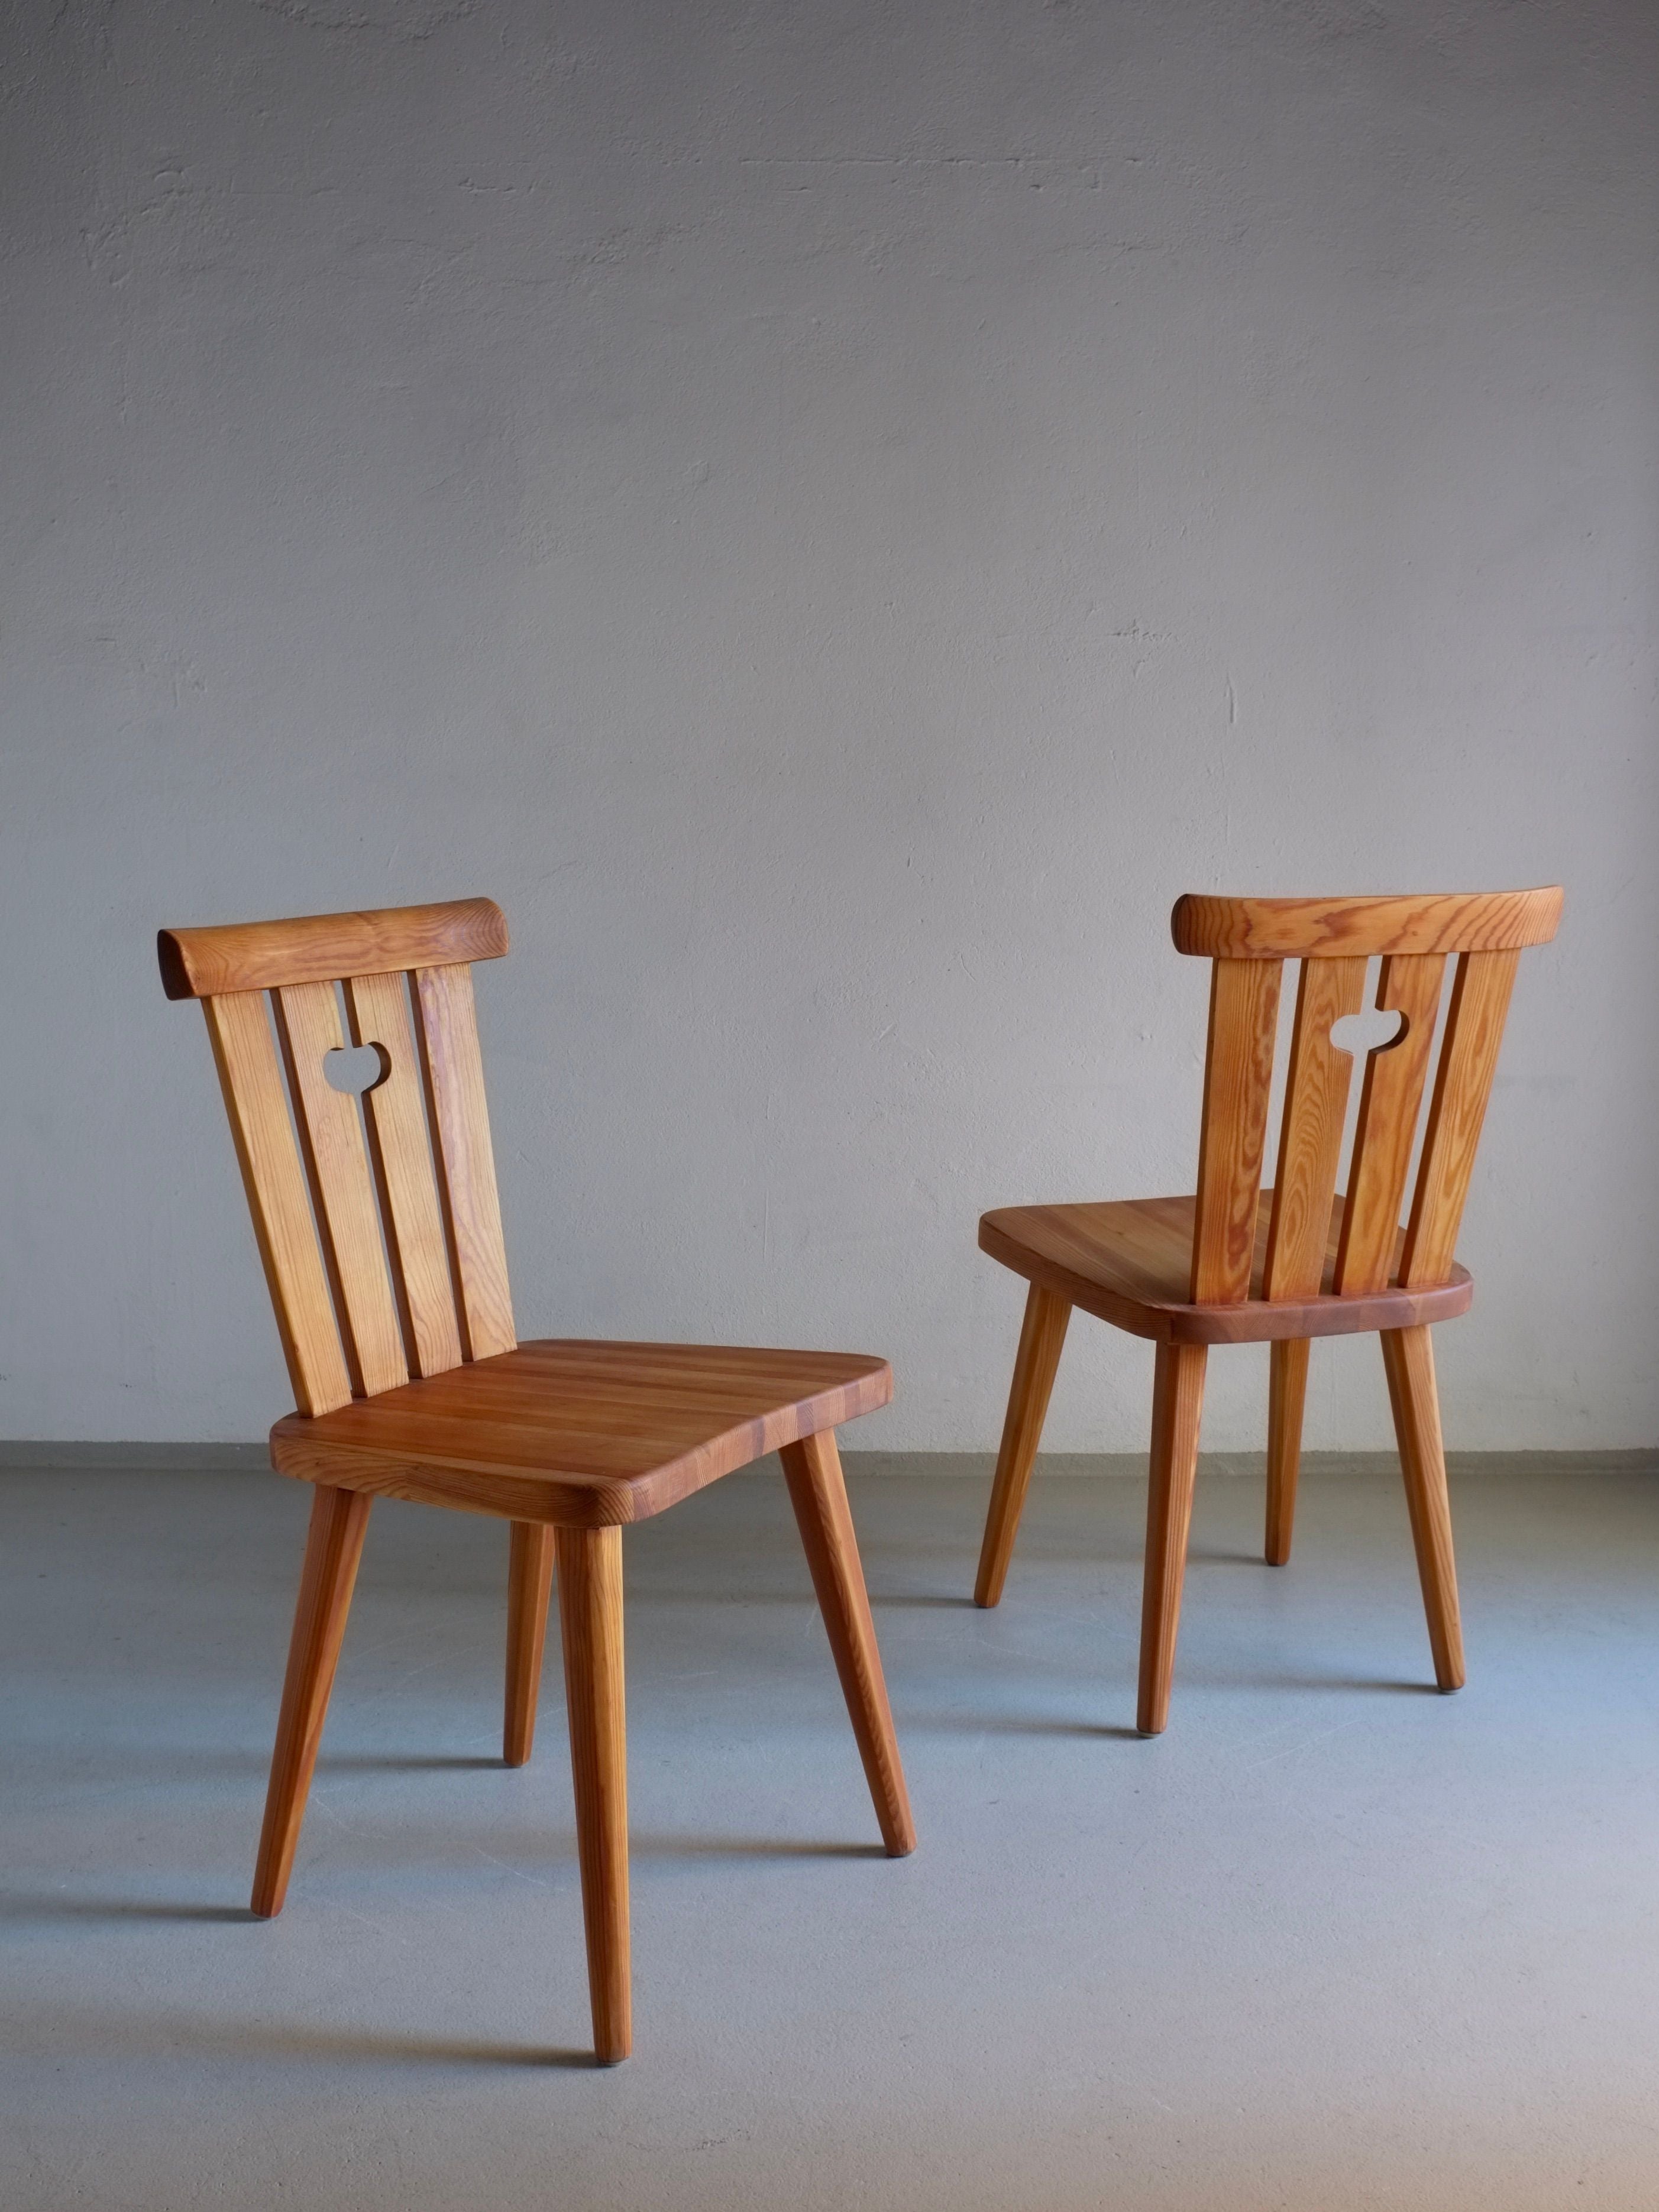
x=332, y=1549
x=813, y=1470
x=1409, y=1361
x=1177, y=1403
x=1287, y=1392
x=529, y=1585
x=591, y=1626
x=1042, y=1333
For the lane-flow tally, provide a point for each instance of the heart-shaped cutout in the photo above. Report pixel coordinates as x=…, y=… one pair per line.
x=1375, y=1030
x=355, y=1068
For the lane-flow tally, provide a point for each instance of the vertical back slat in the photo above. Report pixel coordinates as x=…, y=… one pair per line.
x=1238, y=1075
x=455, y=1087
x=1463, y=1082
x=337, y=1161
x=245, y=1057
x=1388, y=1106
x=377, y=1008
x=1310, y=1135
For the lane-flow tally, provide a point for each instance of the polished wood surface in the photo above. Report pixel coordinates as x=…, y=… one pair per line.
x=1129, y=1261
x=333, y=1547
x=586, y=1434
x=1042, y=1335
x=1237, y=1264
x=812, y=1470
x=1408, y=1362
x=320, y=948
x=590, y=1629
x=1177, y=1405
x=1337, y=928
x=454, y=1067
x=529, y=1586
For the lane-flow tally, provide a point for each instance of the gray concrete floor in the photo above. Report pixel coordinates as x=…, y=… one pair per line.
x=1331, y=1941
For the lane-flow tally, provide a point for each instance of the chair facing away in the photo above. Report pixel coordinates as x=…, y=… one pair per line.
x=381, y=1234
x=1238, y=1264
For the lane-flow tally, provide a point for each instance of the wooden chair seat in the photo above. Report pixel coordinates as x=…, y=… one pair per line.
x=1130, y=1262
x=580, y=1434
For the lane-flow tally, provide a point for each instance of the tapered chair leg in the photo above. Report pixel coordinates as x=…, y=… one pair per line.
x=1177, y=1405
x=1287, y=1391
x=590, y=1627
x=1042, y=1335
x=1408, y=1358
x=813, y=1470
x=332, y=1549
x=529, y=1584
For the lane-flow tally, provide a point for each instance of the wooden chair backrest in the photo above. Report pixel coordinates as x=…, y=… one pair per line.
x=1249, y=940
x=377, y=1216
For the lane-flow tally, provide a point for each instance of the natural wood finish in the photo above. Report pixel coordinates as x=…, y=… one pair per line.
x=1177, y=1407
x=1463, y=1082
x=590, y=1628
x=1237, y=1076
x=332, y=1549
x=1130, y=1262
x=529, y=1586
x=406, y=1177
x=320, y=948
x=587, y=1434
x=1236, y=1264
x=1344, y=928
x=1408, y=1360
x=812, y=1470
x=461, y=1120
x=336, y=1157
x=1042, y=1333
x=1310, y=1135
x=1389, y=1103
x=246, y=1057
x=1287, y=1392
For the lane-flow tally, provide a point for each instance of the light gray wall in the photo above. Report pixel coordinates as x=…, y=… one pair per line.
x=835, y=514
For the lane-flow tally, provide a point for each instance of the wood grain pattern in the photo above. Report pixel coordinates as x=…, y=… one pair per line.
x=1237, y=1077
x=1129, y=1263
x=1287, y=1392
x=1042, y=1334
x=333, y=1547
x=454, y=1069
x=529, y=1587
x=406, y=1175
x=586, y=1434
x=1388, y=1101
x=1346, y=928
x=1463, y=1082
x=1408, y=1361
x=590, y=1628
x=336, y=1155
x=1310, y=1134
x=812, y=1470
x=244, y=1055
x=1177, y=1409
x=320, y=948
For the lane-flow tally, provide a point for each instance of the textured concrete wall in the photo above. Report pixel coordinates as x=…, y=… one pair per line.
x=835, y=514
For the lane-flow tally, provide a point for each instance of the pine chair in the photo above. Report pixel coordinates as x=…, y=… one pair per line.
x=1237, y=1264
x=381, y=1234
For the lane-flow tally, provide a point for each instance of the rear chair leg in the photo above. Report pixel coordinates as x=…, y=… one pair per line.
x=332, y=1549
x=529, y=1584
x=1041, y=1334
x=1287, y=1389
x=1177, y=1403
x=591, y=1626
x=1408, y=1358
x=813, y=1470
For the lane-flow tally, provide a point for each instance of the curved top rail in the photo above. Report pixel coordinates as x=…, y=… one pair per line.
x=322, y=948
x=1337, y=928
